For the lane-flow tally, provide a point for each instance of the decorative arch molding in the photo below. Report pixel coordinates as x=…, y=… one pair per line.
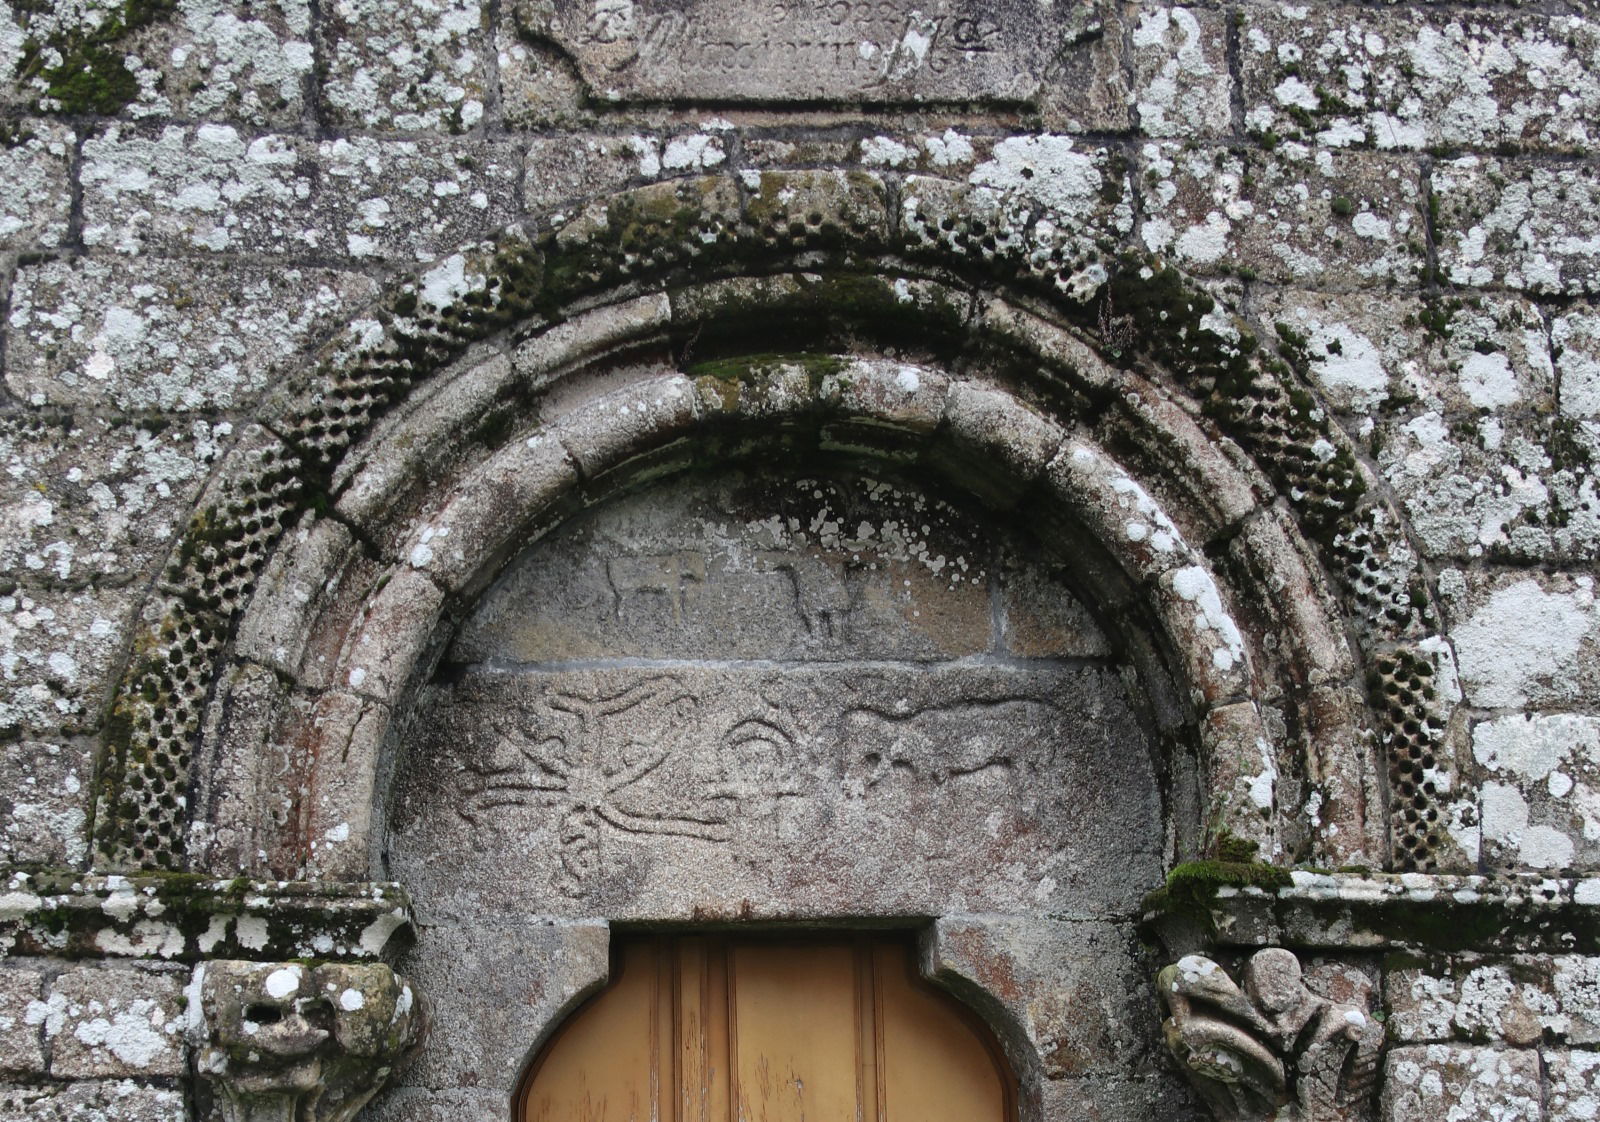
x=1056, y=389
x=434, y=554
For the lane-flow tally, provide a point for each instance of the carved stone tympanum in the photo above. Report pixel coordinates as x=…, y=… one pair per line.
x=286, y=1042
x=1253, y=1049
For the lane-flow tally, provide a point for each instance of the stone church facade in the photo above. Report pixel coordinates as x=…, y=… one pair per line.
x=1107, y=491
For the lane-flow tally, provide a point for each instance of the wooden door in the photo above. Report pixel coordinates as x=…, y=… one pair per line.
x=714, y=1029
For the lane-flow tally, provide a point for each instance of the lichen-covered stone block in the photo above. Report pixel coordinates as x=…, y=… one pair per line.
x=1420, y=76
x=572, y=168
x=1540, y=797
x=21, y=1038
x=1575, y=334
x=1524, y=639
x=199, y=59
x=1574, y=1085
x=110, y=1021
x=1454, y=400
x=113, y=1100
x=1294, y=214
x=1454, y=1084
x=1522, y=1000
x=1181, y=87
x=406, y=66
x=214, y=188
x=44, y=801
x=166, y=334
x=1517, y=223
x=35, y=158
x=84, y=498
x=1466, y=1000
x=59, y=652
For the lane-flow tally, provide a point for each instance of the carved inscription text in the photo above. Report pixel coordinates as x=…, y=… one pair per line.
x=806, y=50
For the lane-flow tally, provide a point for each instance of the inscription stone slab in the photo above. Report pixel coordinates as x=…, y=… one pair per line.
x=882, y=51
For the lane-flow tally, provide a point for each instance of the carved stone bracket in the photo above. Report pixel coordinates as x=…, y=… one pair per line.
x=1271, y=1043
x=286, y=1042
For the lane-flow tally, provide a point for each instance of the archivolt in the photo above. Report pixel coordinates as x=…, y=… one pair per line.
x=545, y=370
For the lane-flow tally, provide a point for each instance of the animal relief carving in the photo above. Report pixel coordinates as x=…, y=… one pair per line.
x=1270, y=1043
x=943, y=742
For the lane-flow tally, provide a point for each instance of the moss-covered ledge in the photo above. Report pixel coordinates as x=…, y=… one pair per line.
x=1218, y=904
x=183, y=918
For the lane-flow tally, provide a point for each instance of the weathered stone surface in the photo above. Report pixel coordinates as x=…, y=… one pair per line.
x=34, y=159
x=21, y=1039
x=1574, y=1085
x=720, y=51
x=1420, y=77
x=214, y=188
x=88, y=499
x=1292, y=215
x=103, y=1021
x=568, y=169
x=778, y=792
x=59, y=655
x=121, y=1100
x=1517, y=224
x=1067, y=993
x=495, y=993
x=1575, y=336
x=406, y=67
x=421, y=1104
x=44, y=801
x=167, y=334
x=1462, y=1084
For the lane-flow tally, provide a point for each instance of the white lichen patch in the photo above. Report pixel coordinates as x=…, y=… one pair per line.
x=1462, y=1084
x=1524, y=641
x=1576, y=335
x=114, y=1022
x=58, y=653
x=1181, y=82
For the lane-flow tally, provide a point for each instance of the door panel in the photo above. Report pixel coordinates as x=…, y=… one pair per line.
x=711, y=1029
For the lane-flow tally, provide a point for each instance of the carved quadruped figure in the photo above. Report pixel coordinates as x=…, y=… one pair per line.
x=1270, y=1044
x=287, y=1042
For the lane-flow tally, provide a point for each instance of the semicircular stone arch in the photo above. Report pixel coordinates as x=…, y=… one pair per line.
x=693, y=273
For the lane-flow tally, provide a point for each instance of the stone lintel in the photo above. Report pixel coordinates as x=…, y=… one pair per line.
x=184, y=918
x=1382, y=912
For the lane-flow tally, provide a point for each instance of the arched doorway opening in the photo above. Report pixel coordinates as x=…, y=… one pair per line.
x=712, y=1028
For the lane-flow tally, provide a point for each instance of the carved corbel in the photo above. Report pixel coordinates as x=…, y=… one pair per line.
x=1271, y=1043
x=286, y=1042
